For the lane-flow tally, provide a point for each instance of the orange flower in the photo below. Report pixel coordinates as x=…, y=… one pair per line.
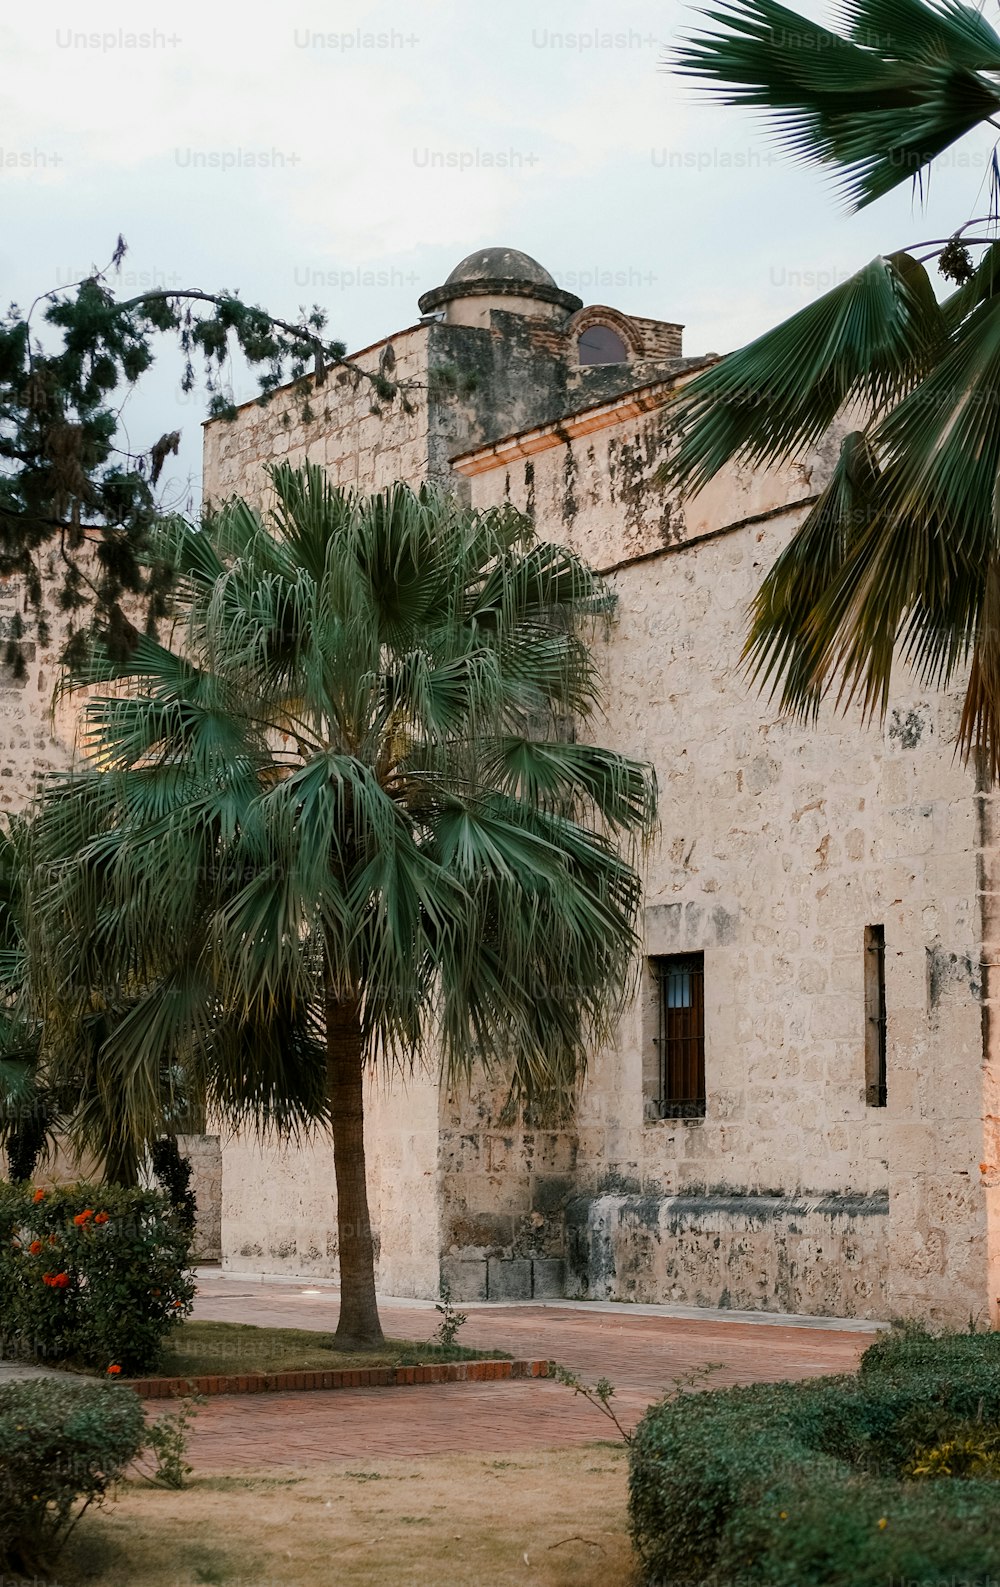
x=114, y=1371
x=35, y=1247
x=100, y=1217
x=53, y=1240
x=38, y=1196
x=84, y=1216
x=55, y=1280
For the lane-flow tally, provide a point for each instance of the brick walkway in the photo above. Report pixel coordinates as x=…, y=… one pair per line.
x=641, y=1355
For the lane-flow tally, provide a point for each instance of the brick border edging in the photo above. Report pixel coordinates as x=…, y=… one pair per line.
x=339, y=1378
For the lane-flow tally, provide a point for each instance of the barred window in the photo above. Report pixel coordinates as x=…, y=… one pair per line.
x=680, y=1040
x=875, y=1017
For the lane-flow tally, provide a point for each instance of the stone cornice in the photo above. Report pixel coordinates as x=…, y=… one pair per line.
x=525, y=443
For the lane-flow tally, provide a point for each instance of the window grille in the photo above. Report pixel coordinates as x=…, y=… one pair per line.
x=875, y=1017
x=681, y=1035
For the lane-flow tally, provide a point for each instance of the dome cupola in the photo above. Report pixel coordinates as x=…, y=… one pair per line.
x=498, y=278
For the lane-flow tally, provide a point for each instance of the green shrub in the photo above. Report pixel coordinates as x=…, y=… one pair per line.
x=93, y=1275
x=903, y=1349
x=62, y=1445
x=797, y=1485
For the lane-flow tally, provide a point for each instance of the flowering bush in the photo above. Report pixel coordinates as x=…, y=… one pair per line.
x=91, y=1274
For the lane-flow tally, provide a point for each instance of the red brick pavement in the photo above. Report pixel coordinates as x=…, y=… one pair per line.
x=641, y=1355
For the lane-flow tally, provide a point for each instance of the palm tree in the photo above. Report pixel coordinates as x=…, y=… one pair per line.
x=28, y=1110
x=52, y=1096
x=900, y=556
x=343, y=824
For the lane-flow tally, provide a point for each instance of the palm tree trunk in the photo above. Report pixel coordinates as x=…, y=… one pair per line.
x=358, y=1326
x=121, y=1164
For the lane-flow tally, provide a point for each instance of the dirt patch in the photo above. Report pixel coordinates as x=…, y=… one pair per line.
x=465, y=1520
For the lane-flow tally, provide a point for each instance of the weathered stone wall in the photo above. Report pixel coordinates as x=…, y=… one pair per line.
x=988, y=813
x=279, y=1203
x=204, y=1153
x=659, y=339
x=779, y=844
x=463, y=385
x=359, y=440
x=748, y=1253
x=505, y=1187
x=36, y=734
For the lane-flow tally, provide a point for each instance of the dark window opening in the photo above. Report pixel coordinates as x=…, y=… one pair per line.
x=599, y=344
x=875, y=1019
x=681, y=1035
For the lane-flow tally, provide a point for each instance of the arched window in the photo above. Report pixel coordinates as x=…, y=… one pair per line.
x=599, y=344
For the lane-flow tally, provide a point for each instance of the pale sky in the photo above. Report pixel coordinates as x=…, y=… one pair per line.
x=351, y=154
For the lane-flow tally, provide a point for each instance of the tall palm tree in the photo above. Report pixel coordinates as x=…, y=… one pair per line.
x=342, y=824
x=901, y=553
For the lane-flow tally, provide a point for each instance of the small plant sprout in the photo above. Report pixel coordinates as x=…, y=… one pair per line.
x=451, y=1320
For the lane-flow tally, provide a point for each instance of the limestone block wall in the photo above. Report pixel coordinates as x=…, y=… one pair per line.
x=204, y=1153
x=589, y=481
x=989, y=1167
x=402, y=1149
x=36, y=737
x=745, y=1252
x=358, y=440
x=463, y=385
x=779, y=845
x=504, y=1186
x=279, y=1202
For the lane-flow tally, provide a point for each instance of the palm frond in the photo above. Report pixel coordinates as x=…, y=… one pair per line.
x=865, y=342
x=909, y=30
x=788, y=649
x=878, y=105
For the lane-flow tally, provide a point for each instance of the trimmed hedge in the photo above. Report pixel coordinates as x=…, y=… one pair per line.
x=805, y=1484
x=92, y=1275
x=61, y=1447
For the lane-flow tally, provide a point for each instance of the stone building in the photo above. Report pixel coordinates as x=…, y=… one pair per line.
x=800, y=1111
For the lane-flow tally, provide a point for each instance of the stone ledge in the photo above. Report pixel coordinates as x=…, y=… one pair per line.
x=347, y=1378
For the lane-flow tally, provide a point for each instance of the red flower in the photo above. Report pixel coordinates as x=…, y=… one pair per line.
x=100, y=1217
x=82, y=1217
x=35, y=1247
x=55, y=1280
x=38, y=1196
x=114, y=1371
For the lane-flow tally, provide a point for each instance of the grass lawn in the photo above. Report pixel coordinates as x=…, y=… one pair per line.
x=546, y=1519
x=217, y=1348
